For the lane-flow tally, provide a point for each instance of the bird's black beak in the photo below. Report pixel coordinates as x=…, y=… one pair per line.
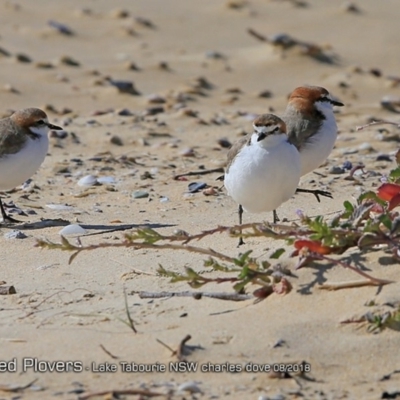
x=337, y=103
x=54, y=127
x=261, y=136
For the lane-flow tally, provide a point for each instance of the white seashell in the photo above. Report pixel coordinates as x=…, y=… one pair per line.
x=88, y=180
x=190, y=387
x=59, y=207
x=106, y=180
x=73, y=229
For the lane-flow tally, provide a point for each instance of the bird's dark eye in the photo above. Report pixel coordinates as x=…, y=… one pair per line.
x=323, y=99
x=40, y=123
x=276, y=130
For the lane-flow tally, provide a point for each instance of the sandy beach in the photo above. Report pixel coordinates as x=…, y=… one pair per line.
x=147, y=90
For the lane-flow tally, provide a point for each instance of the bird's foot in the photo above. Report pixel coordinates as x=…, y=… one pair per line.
x=316, y=193
x=275, y=218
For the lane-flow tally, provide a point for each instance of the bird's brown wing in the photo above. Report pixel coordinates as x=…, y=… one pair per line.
x=11, y=141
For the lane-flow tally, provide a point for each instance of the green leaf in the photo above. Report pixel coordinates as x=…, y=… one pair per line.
x=277, y=253
x=191, y=273
x=394, y=175
x=348, y=206
x=196, y=284
x=385, y=220
x=371, y=196
x=368, y=240
x=242, y=260
x=238, y=287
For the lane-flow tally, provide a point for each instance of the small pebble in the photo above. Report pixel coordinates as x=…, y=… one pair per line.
x=67, y=60
x=23, y=58
x=365, y=148
x=61, y=28
x=391, y=103
x=180, y=232
x=347, y=165
x=336, y=170
x=164, y=66
x=190, y=387
x=215, y=55
x=73, y=229
x=140, y=194
x=210, y=192
x=144, y=22
x=156, y=99
x=154, y=110
x=124, y=112
x=119, y=13
x=188, y=152
x=383, y=157
x=146, y=175
x=115, y=139
x=195, y=187
x=4, y=52
x=88, y=180
x=224, y=143
x=124, y=86
x=266, y=94
x=106, y=180
x=351, y=7
x=164, y=199
x=15, y=234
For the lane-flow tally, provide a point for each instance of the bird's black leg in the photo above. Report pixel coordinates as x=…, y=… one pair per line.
x=316, y=193
x=4, y=215
x=240, y=212
x=276, y=218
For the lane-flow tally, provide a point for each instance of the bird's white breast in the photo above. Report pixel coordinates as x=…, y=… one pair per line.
x=16, y=168
x=264, y=174
x=319, y=146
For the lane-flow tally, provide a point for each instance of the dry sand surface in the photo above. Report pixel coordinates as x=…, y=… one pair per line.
x=199, y=77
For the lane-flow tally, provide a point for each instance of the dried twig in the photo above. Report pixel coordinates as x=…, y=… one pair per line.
x=107, y=352
x=14, y=389
x=346, y=285
x=181, y=347
x=373, y=123
x=121, y=392
x=195, y=295
x=179, y=352
x=257, y=35
x=202, y=172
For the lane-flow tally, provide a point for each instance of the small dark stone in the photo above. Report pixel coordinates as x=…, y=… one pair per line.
x=195, y=187
x=383, y=157
x=347, y=165
x=336, y=170
x=224, y=143
x=266, y=94
x=61, y=28
x=124, y=86
x=154, y=110
x=116, y=140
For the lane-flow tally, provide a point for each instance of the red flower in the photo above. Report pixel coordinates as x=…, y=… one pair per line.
x=314, y=246
x=388, y=190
